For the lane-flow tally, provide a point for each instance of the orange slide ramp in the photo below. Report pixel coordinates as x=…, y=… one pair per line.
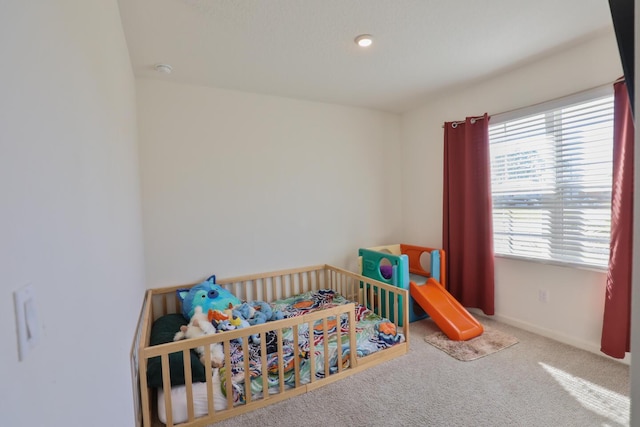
x=450, y=316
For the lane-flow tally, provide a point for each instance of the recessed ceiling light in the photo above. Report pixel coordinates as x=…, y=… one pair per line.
x=163, y=68
x=364, y=40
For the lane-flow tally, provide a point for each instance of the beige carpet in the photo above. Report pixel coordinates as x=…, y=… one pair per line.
x=491, y=341
x=537, y=383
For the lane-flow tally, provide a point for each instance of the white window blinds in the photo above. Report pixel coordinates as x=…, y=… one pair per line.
x=551, y=172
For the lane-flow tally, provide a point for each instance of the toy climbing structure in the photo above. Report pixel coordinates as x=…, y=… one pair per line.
x=402, y=266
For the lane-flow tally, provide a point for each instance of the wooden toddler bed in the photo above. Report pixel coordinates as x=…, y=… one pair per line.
x=335, y=325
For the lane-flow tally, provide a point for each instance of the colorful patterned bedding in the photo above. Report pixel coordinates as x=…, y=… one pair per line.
x=373, y=334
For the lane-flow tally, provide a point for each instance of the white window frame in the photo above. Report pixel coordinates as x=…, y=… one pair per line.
x=551, y=246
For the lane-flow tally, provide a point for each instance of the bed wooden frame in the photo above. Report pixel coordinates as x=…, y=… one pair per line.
x=266, y=287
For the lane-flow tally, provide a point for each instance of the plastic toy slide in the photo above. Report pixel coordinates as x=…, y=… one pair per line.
x=450, y=316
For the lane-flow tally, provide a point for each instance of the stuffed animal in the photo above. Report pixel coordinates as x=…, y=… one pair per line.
x=233, y=321
x=217, y=316
x=207, y=295
x=246, y=311
x=262, y=313
x=255, y=313
x=199, y=326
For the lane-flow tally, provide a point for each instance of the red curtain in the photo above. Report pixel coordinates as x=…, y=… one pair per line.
x=617, y=308
x=467, y=229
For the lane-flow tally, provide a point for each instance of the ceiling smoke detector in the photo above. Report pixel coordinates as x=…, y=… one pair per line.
x=364, y=40
x=163, y=68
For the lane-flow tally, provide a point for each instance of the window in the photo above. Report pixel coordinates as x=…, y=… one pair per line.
x=551, y=174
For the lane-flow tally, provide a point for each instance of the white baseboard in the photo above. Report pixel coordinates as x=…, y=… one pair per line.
x=554, y=335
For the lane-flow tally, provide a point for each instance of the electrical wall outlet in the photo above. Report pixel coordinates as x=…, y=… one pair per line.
x=27, y=320
x=543, y=295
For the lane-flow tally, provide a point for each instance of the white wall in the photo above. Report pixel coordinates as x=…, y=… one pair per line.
x=576, y=297
x=70, y=216
x=236, y=183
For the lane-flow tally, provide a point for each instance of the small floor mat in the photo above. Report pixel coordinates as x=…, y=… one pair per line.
x=489, y=342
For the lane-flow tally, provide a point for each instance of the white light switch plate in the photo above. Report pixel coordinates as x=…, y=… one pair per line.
x=27, y=320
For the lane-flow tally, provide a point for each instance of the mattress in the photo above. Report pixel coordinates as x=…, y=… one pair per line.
x=200, y=402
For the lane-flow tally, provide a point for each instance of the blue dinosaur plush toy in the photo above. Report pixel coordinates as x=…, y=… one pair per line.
x=243, y=313
x=207, y=295
x=246, y=311
x=255, y=313
x=262, y=313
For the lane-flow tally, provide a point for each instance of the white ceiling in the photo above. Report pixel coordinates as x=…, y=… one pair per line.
x=305, y=48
